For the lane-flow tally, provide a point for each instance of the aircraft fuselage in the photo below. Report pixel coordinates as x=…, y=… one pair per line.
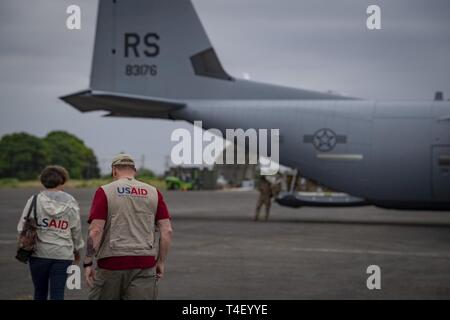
x=394, y=154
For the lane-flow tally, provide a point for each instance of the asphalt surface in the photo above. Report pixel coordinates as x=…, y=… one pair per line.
x=218, y=252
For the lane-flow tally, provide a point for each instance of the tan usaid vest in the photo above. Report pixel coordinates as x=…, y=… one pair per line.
x=130, y=226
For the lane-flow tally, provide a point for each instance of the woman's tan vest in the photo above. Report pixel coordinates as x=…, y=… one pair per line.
x=130, y=225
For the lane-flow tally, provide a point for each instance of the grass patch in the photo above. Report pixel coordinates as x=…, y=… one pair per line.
x=92, y=183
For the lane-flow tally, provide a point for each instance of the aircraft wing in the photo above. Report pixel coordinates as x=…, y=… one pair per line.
x=122, y=105
x=318, y=199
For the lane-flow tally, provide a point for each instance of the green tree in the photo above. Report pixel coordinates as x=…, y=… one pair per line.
x=67, y=150
x=22, y=156
x=145, y=173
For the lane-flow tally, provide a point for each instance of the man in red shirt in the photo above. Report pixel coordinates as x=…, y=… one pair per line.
x=129, y=234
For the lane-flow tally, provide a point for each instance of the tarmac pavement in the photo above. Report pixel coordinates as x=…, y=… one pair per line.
x=218, y=252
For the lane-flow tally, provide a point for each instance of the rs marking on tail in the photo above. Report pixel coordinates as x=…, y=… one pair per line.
x=152, y=57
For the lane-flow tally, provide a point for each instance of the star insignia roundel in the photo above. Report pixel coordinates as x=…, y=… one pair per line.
x=324, y=140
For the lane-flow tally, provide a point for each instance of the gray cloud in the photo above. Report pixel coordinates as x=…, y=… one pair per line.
x=315, y=44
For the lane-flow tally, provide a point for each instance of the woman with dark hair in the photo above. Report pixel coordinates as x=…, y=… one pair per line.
x=59, y=238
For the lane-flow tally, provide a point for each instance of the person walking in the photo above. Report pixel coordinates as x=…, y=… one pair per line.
x=129, y=236
x=59, y=239
x=264, y=198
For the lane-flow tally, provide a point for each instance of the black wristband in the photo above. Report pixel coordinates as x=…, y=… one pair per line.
x=85, y=265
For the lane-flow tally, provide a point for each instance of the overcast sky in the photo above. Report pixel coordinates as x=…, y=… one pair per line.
x=313, y=44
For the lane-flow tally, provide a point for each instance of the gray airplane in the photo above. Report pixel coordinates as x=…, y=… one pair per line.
x=153, y=59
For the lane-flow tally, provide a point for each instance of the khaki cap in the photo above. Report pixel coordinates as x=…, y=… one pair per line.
x=122, y=159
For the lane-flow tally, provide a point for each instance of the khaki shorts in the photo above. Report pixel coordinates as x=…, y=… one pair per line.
x=134, y=284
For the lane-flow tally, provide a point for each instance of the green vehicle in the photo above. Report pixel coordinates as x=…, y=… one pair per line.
x=174, y=183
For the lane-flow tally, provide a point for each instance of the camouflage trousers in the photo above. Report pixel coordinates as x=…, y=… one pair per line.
x=267, y=202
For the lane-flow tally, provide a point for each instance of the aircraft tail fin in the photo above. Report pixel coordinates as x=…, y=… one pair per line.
x=159, y=48
x=151, y=47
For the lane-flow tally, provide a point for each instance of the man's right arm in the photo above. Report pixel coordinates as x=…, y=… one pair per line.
x=165, y=229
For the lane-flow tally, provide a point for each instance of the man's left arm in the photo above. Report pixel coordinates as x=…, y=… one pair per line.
x=97, y=221
x=95, y=235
